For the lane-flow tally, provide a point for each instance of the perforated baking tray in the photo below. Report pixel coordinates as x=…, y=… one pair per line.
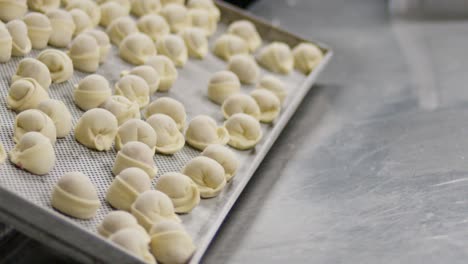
x=25, y=198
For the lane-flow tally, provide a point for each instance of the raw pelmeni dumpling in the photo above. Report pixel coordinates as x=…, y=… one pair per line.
x=207, y=174
x=153, y=25
x=244, y=131
x=223, y=84
x=103, y=42
x=143, y=7
x=120, y=28
x=228, y=45
x=152, y=207
x=245, y=67
x=12, y=9
x=59, y=64
x=96, y=129
x=170, y=139
x=170, y=243
x=76, y=196
x=82, y=21
x=43, y=5
x=200, y=18
x=207, y=5
x=63, y=28
x=84, y=53
x=246, y=30
x=148, y=73
x=89, y=7
x=25, y=94
x=203, y=131
x=173, y=46
x=124, y=3
x=91, y=92
x=6, y=44
x=39, y=29
x=240, y=103
x=19, y=33
x=134, y=242
x=274, y=85
x=176, y=16
x=136, y=48
x=166, y=69
x=134, y=88
x=126, y=187
x=35, y=69
x=3, y=154
x=306, y=57
x=122, y=108
x=34, y=153
x=136, y=130
x=196, y=42
x=170, y=107
x=111, y=11
x=181, y=189
x=277, y=57
x=116, y=221
x=34, y=120
x=167, y=2
x=58, y=112
x=135, y=154
x=225, y=157
x=270, y=105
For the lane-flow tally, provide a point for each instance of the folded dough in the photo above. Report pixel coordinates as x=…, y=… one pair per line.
x=170, y=139
x=270, y=105
x=122, y=108
x=75, y=195
x=244, y=130
x=203, y=130
x=306, y=57
x=135, y=154
x=136, y=130
x=89, y=7
x=246, y=30
x=103, y=42
x=225, y=157
x=152, y=207
x=134, y=88
x=166, y=2
x=25, y=94
x=60, y=115
x=124, y=3
x=207, y=5
x=115, y=221
x=63, y=28
x=277, y=57
x=173, y=46
x=166, y=69
x=228, y=45
x=181, y=189
x=91, y=92
x=39, y=29
x=240, y=103
x=34, y=120
x=207, y=174
x=111, y=11
x=82, y=21
x=19, y=34
x=202, y=19
x=120, y=28
x=176, y=16
x=274, y=85
x=12, y=9
x=43, y=5
x=245, y=67
x=34, y=153
x=35, y=69
x=196, y=42
x=136, y=48
x=84, y=53
x=153, y=25
x=144, y=7
x=223, y=84
x=126, y=187
x=59, y=64
x=170, y=107
x=6, y=43
x=134, y=242
x=96, y=129
x=3, y=154
x=148, y=73
x=170, y=243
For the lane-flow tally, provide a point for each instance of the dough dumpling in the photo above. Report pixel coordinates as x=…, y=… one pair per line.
x=120, y=28
x=135, y=154
x=270, y=105
x=225, y=157
x=91, y=92
x=96, y=129
x=166, y=69
x=34, y=120
x=39, y=29
x=84, y=53
x=240, y=103
x=81, y=20
x=19, y=34
x=203, y=131
x=274, y=85
x=196, y=42
x=152, y=207
x=115, y=221
x=124, y=3
x=170, y=243
x=148, y=73
x=245, y=67
x=170, y=107
x=134, y=242
x=59, y=64
x=277, y=57
x=136, y=130
x=207, y=174
x=35, y=69
x=181, y=189
x=122, y=108
x=43, y=5
x=173, y=46
x=25, y=94
x=63, y=28
x=6, y=44
x=89, y=7
x=154, y=26
x=202, y=19
x=143, y=7
x=136, y=48
x=176, y=16
x=134, y=88
x=244, y=131
x=170, y=139
x=34, y=153
x=12, y=9
x=126, y=187
x=167, y=2
x=246, y=30
x=228, y=45
x=223, y=84
x=3, y=154
x=207, y=5
x=111, y=11
x=60, y=115
x=103, y=42
x=306, y=57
